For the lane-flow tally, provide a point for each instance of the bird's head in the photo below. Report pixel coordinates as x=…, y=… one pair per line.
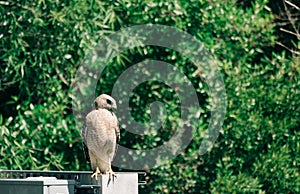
x=105, y=101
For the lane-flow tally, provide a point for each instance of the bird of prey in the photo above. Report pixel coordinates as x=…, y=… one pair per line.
x=101, y=136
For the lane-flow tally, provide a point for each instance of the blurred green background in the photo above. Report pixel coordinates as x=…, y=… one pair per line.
x=43, y=42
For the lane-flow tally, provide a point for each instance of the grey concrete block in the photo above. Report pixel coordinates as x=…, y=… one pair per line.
x=122, y=184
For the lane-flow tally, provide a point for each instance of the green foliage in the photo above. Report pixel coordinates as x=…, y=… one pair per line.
x=42, y=43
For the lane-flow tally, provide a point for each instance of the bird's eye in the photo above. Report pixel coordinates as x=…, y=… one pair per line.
x=108, y=101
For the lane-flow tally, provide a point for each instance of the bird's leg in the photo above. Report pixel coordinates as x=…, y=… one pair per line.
x=96, y=172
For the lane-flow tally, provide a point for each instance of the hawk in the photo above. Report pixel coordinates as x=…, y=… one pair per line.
x=101, y=136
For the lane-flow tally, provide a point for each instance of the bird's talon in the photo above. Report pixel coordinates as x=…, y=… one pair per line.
x=95, y=174
x=112, y=176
